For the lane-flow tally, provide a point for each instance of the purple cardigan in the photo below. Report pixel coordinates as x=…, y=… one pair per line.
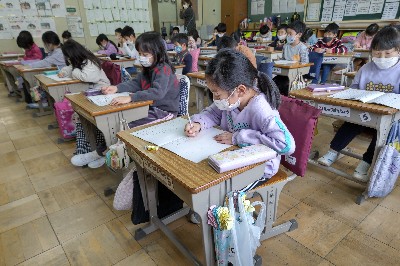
x=110, y=49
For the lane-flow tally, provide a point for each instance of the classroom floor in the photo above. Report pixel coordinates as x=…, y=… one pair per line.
x=52, y=213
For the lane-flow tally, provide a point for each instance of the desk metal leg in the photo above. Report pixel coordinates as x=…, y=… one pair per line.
x=199, y=98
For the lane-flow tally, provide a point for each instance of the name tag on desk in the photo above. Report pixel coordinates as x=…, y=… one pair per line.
x=334, y=110
x=277, y=70
x=202, y=82
x=329, y=59
x=357, y=55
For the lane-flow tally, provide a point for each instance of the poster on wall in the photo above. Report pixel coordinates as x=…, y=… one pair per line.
x=5, y=32
x=75, y=26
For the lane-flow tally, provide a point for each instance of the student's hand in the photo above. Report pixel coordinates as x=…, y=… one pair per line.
x=191, y=130
x=357, y=45
x=61, y=74
x=319, y=50
x=121, y=100
x=224, y=138
x=328, y=50
x=109, y=89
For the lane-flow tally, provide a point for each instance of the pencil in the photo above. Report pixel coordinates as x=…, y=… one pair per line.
x=190, y=121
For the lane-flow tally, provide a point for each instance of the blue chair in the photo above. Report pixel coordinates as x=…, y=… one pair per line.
x=264, y=67
x=315, y=58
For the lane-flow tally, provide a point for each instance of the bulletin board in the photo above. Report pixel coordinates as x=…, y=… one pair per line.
x=258, y=10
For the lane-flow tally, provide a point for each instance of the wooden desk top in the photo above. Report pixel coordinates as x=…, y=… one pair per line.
x=368, y=107
x=199, y=75
x=263, y=51
x=26, y=69
x=175, y=66
x=293, y=66
x=10, y=63
x=100, y=55
x=209, y=48
x=350, y=74
x=8, y=56
x=48, y=82
x=339, y=55
x=94, y=110
x=195, y=177
x=361, y=50
x=123, y=59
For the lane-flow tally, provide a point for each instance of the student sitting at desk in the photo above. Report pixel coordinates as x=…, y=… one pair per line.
x=55, y=56
x=107, y=46
x=66, y=35
x=331, y=45
x=280, y=39
x=382, y=74
x=294, y=49
x=156, y=82
x=245, y=105
x=128, y=47
x=264, y=34
x=363, y=41
x=229, y=42
x=118, y=37
x=221, y=31
x=32, y=51
x=183, y=57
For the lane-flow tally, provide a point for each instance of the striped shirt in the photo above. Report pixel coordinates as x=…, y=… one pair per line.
x=336, y=46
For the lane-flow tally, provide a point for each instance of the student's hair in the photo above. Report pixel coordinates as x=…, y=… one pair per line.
x=221, y=27
x=387, y=38
x=297, y=26
x=181, y=38
x=333, y=28
x=282, y=26
x=127, y=31
x=187, y=2
x=236, y=35
x=25, y=40
x=119, y=30
x=306, y=35
x=194, y=34
x=175, y=28
x=264, y=29
x=51, y=37
x=227, y=42
x=230, y=68
x=372, y=29
x=216, y=28
x=103, y=37
x=66, y=35
x=152, y=42
x=78, y=55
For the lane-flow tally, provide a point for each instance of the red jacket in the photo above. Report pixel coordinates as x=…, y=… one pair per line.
x=336, y=46
x=33, y=53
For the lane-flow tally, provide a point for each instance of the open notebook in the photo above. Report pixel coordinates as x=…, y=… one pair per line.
x=382, y=98
x=103, y=100
x=57, y=78
x=170, y=135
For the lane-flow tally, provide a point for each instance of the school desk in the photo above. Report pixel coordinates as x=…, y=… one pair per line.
x=197, y=184
x=340, y=58
x=270, y=55
x=178, y=68
x=171, y=54
x=374, y=116
x=257, y=43
x=10, y=56
x=198, y=81
x=208, y=50
x=100, y=55
x=123, y=62
x=349, y=77
x=291, y=70
x=10, y=75
x=362, y=53
x=204, y=60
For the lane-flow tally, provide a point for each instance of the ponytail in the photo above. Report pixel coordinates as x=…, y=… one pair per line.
x=269, y=88
x=116, y=47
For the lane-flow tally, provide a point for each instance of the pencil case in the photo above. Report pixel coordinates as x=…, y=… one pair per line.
x=51, y=72
x=230, y=160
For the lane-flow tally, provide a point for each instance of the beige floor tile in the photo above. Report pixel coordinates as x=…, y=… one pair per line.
x=12, y=172
x=317, y=231
x=35, y=140
x=28, y=132
x=47, y=179
x=161, y=257
x=4, y=137
x=301, y=187
x=138, y=258
x=80, y=218
x=46, y=163
x=105, y=245
x=21, y=124
x=27, y=241
x=6, y=147
x=392, y=201
x=65, y=195
x=20, y=212
x=16, y=189
x=109, y=201
x=45, y=120
x=101, y=180
x=37, y=151
x=55, y=256
x=68, y=152
x=286, y=202
x=360, y=249
x=382, y=224
x=9, y=159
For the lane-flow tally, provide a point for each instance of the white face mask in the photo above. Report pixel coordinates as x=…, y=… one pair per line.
x=282, y=37
x=385, y=63
x=220, y=35
x=185, y=6
x=145, y=61
x=129, y=42
x=224, y=105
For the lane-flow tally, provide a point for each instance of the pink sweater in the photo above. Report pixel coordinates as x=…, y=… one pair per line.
x=33, y=53
x=363, y=40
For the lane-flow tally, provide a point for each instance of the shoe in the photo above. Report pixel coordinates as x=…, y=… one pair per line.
x=97, y=163
x=194, y=218
x=361, y=172
x=33, y=105
x=84, y=159
x=329, y=158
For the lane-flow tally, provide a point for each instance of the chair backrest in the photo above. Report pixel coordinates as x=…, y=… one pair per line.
x=184, y=89
x=43, y=52
x=300, y=119
x=113, y=72
x=315, y=58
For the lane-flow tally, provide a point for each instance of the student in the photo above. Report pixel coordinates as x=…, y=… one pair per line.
x=363, y=41
x=229, y=42
x=183, y=57
x=294, y=49
x=214, y=36
x=329, y=44
x=238, y=36
x=156, y=82
x=187, y=14
x=382, y=74
x=129, y=38
x=245, y=105
x=264, y=34
x=309, y=38
x=66, y=35
x=32, y=51
x=221, y=31
x=280, y=39
x=82, y=64
x=118, y=37
x=194, y=39
x=175, y=31
x=55, y=57
x=108, y=46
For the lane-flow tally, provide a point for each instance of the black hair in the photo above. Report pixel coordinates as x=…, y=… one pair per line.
x=306, y=35
x=221, y=27
x=226, y=42
x=103, y=37
x=175, y=28
x=66, y=35
x=50, y=37
x=332, y=27
x=181, y=38
x=78, y=55
x=297, y=26
x=216, y=28
x=194, y=34
x=236, y=35
x=119, y=30
x=152, y=42
x=25, y=40
x=230, y=68
x=127, y=31
x=282, y=26
x=187, y=2
x=372, y=29
x=264, y=29
x=387, y=38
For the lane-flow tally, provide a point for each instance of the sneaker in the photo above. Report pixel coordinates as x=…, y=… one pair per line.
x=97, y=163
x=361, y=172
x=33, y=105
x=329, y=158
x=84, y=159
x=194, y=218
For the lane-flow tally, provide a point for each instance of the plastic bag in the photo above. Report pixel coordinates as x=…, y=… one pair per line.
x=124, y=194
x=117, y=155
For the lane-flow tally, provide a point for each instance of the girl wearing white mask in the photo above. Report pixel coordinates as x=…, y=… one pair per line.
x=245, y=106
x=187, y=14
x=280, y=39
x=382, y=74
